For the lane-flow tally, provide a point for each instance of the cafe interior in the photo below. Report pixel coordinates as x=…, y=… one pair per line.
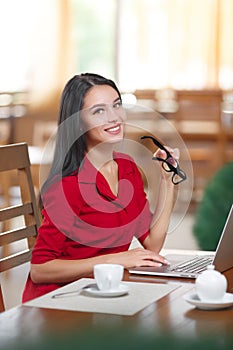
x=173, y=63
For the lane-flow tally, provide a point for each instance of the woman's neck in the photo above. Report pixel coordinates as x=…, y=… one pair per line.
x=100, y=155
x=102, y=159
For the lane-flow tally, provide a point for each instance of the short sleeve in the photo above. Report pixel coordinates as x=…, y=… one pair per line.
x=49, y=243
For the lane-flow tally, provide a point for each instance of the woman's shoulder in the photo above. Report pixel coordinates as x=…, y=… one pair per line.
x=65, y=181
x=60, y=187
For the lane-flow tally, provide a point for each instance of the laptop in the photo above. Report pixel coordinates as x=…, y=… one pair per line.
x=190, y=266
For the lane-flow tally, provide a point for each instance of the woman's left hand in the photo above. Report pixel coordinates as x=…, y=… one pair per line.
x=175, y=153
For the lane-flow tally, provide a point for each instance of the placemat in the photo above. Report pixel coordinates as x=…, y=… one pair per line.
x=139, y=296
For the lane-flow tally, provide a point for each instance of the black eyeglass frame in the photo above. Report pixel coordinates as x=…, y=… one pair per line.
x=171, y=168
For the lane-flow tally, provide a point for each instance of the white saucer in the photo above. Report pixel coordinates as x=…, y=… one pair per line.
x=94, y=291
x=193, y=299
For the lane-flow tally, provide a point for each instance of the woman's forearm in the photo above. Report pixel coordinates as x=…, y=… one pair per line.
x=64, y=271
x=161, y=217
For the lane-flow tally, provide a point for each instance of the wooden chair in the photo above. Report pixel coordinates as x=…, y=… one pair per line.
x=15, y=157
x=198, y=120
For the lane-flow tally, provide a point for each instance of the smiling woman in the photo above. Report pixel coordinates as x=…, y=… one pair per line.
x=93, y=200
x=102, y=116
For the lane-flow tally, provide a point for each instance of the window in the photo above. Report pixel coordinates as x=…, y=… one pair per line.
x=142, y=44
x=183, y=44
x=94, y=30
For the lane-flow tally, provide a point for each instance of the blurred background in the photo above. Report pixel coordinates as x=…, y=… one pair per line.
x=141, y=44
x=174, y=58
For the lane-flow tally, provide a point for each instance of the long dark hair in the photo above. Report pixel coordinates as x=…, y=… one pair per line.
x=70, y=141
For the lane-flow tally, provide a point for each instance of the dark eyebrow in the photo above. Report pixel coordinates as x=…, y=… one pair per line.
x=117, y=99
x=98, y=105
x=104, y=104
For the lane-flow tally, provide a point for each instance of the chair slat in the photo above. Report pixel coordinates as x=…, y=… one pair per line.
x=16, y=210
x=15, y=260
x=17, y=234
x=15, y=159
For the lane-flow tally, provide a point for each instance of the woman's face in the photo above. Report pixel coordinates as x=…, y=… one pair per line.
x=102, y=116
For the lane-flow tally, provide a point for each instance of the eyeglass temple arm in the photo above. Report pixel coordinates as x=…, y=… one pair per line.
x=157, y=143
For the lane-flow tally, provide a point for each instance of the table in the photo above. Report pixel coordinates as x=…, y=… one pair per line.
x=169, y=320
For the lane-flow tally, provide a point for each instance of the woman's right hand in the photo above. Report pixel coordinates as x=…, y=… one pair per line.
x=137, y=257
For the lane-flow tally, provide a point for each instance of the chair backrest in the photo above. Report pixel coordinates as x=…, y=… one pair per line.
x=14, y=159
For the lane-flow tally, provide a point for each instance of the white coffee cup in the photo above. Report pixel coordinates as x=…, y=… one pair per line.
x=211, y=285
x=108, y=276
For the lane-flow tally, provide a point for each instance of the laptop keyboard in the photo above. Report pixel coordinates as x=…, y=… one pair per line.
x=195, y=265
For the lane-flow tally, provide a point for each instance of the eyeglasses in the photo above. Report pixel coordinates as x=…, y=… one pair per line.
x=178, y=174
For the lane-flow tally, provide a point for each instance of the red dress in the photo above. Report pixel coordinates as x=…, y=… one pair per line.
x=82, y=218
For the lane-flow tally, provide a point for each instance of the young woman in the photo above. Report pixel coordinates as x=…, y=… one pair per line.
x=93, y=200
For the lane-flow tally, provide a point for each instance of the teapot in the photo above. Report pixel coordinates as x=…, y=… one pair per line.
x=211, y=285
